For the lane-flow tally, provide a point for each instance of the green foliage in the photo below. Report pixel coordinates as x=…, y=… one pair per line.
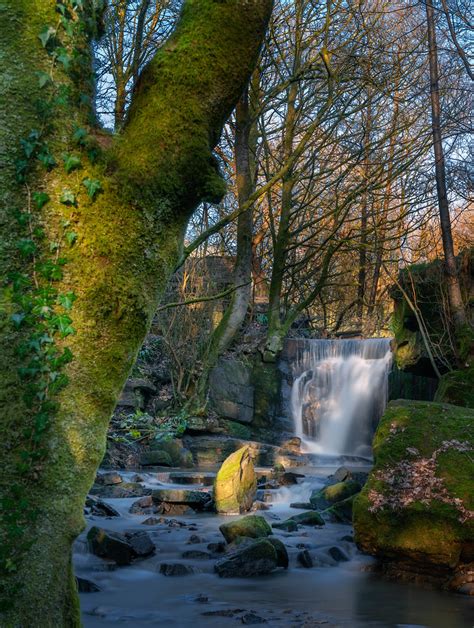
x=93, y=186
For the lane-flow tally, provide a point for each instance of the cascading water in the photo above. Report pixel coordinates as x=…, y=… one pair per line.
x=339, y=393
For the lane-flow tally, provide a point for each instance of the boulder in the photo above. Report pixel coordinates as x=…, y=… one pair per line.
x=337, y=554
x=416, y=512
x=197, y=500
x=111, y=477
x=143, y=506
x=196, y=554
x=110, y=545
x=86, y=586
x=186, y=477
x=256, y=559
x=281, y=552
x=99, y=508
x=329, y=495
x=141, y=543
x=340, y=512
x=252, y=526
x=136, y=393
x=304, y=559
x=309, y=518
x=123, y=490
x=156, y=457
x=235, y=486
x=289, y=525
x=231, y=392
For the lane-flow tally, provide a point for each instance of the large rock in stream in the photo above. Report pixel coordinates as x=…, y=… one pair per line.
x=416, y=513
x=197, y=500
x=252, y=526
x=329, y=495
x=236, y=484
x=256, y=558
x=121, y=548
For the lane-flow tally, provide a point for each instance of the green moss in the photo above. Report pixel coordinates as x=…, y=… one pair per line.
x=334, y=493
x=236, y=483
x=252, y=526
x=236, y=430
x=457, y=387
x=422, y=532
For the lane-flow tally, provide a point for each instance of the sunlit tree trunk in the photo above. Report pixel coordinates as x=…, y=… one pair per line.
x=88, y=242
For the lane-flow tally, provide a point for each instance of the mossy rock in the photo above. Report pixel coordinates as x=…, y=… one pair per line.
x=156, y=457
x=281, y=552
x=236, y=483
x=334, y=493
x=340, y=512
x=289, y=525
x=252, y=526
x=457, y=387
x=310, y=518
x=417, y=506
x=237, y=430
x=255, y=559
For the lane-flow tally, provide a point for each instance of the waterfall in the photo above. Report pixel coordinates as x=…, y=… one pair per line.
x=339, y=392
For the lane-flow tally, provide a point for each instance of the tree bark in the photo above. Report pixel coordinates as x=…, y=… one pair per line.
x=452, y=279
x=126, y=239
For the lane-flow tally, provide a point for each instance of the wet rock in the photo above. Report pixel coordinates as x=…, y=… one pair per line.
x=236, y=484
x=194, y=539
x=100, y=508
x=224, y=612
x=110, y=545
x=309, y=518
x=123, y=490
x=141, y=543
x=206, y=479
x=292, y=444
x=337, y=554
x=251, y=618
x=86, y=586
x=258, y=505
x=152, y=521
x=143, y=506
x=289, y=525
x=301, y=505
x=340, y=475
x=202, y=599
x=111, y=477
x=289, y=478
x=176, y=569
x=304, y=559
x=281, y=552
x=258, y=558
x=338, y=492
x=156, y=457
x=196, y=554
x=340, y=512
x=173, y=509
x=197, y=500
x=217, y=548
x=136, y=478
x=348, y=538
x=252, y=526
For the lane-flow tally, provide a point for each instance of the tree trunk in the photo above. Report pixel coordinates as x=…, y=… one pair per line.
x=101, y=227
x=454, y=289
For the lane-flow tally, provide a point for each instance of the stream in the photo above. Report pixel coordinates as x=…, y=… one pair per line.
x=341, y=591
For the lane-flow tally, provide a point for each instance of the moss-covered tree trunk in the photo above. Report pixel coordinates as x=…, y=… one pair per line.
x=91, y=228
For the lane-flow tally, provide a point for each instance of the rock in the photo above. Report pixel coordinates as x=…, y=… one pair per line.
x=340, y=512
x=185, y=477
x=151, y=521
x=236, y=484
x=304, y=559
x=258, y=505
x=301, y=505
x=348, y=538
x=86, y=586
x=309, y=518
x=289, y=525
x=231, y=393
x=100, y=508
x=122, y=491
x=337, y=554
x=258, y=558
x=197, y=500
x=197, y=424
x=111, y=477
x=176, y=569
x=292, y=444
x=340, y=475
x=415, y=512
x=217, y=548
x=251, y=618
x=196, y=554
x=173, y=509
x=252, y=526
x=111, y=545
x=194, y=539
x=141, y=543
x=289, y=478
x=156, y=457
x=281, y=552
x=142, y=506
x=325, y=497
x=136, y=393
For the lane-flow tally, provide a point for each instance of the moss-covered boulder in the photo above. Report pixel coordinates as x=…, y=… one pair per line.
x=340, y=512
x=236, y=484
x=416, y=513
x=252, y=526
x=310, y=518
x=457, y=387
x=255, y=559
x=329, y=495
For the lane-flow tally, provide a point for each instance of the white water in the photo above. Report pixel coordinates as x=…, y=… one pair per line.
x=339, y=393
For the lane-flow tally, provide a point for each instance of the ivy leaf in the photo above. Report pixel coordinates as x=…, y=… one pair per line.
x=71, y=162
x=71, y=237
x=43, y=79
x=66, y=300
x=28, y=147
x=18, y=318
x=40, y=198
x=67, y=197
x=62, y=323
x=64, y=58
x=93, y=186
x=47, y=159
x=46, y=35
x=26, y=247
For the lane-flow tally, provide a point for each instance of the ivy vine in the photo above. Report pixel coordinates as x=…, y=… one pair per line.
x=43, y=312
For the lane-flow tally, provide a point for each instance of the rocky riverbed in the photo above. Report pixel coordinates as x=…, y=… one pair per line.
x=161, y=562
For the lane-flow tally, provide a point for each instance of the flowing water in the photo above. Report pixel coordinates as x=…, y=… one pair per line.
x=339, y=392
